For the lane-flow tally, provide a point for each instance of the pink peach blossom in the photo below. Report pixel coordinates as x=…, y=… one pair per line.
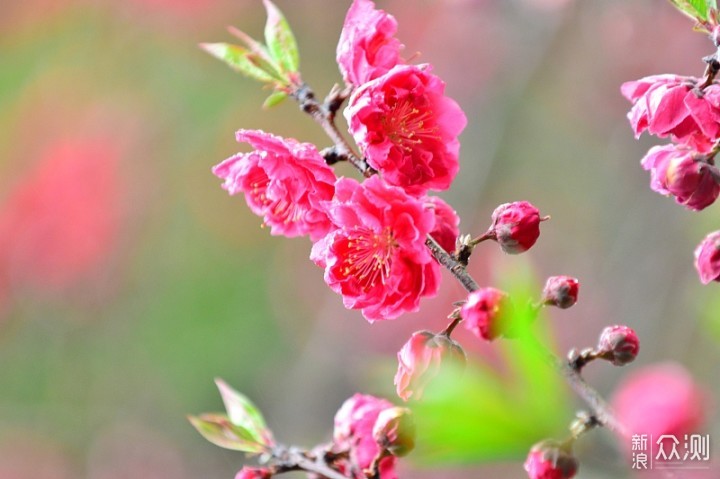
x=407, y=128
x=675, y=170
x=548, y=460
x=659, y=105
x=515, y=226
x=618, y=344
x=368, y=47
x=707, y=258
x=284, y=181
x=561, y=291
x=253, y=473
x=420, y=360
x=660, y=399
x=376, y=257
x=483, y=312
x=447, y=222
x=354, y=424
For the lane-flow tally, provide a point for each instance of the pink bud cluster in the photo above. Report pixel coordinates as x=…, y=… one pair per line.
x=372, y=431
x=687, y=111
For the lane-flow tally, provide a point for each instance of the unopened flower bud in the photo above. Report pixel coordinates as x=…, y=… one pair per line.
x=420, y=359
x=516, y=226
x=394, y=431
x=550, y=460
x=707, y=258
x=561, y=291
x=618, y=344
x=485, y=311
x=253, y=473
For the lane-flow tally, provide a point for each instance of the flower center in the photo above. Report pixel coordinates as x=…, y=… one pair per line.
x=369, y=256
x=408, y=126
x=281, y=209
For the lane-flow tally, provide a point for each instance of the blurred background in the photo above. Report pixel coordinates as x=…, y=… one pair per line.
x=129, y=279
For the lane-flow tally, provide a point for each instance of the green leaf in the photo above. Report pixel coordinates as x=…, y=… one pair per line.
x=695, y=9
x=244, y=414
x=244, y=61
x=483, y=414
x=275, y=99
x=280, y=39
x=219, y=430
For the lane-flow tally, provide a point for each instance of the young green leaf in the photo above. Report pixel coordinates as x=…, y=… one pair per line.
x=695, y=9
x=243, y=413
x=219, y=430
x=280, y=39
x=243, y=61
x=274, y=99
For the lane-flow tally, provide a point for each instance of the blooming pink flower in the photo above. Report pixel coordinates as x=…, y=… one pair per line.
x=561, y=291
x=376, y=257
x=354, y=424
x=407, y=128
x=420, y=360
x=368, y=47
x=674, y=170
x=483, y=312
x=515, y=226
x=446, y=230
x=707, y=258
x=659, y=105
x=548, y=460
x=253, y=473
x=284, y=181
x=660, y=399
x=618, y=344
x=60, y=223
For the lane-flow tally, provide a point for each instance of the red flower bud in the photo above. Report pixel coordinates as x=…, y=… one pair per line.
x=707, y=258
x=253, y=473
x=394, y=431
x=420, y=359
x=515, y=226
x=618, y=344
x=550, y=460
x=483, y=312
x=561, y=291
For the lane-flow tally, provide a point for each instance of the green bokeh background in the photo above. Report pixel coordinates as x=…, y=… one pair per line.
x=98, y=373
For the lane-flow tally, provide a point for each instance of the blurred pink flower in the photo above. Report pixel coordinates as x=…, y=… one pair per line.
x=675, y=171
x=447, y=222
x=377, y=258
x=707, y=258
x=284, y=181
x=561, y=291
x=367, y=48
x=548, y=460
x=354, y=424
x=420, y=360
x=483, y=312
x=253, y=473
x=660, y=399
x=407, y=128
x=60, y=222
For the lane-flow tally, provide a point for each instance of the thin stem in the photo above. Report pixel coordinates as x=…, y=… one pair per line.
x=324, y=116
x=293, y=459
x=456, y=319
x=456, y=268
